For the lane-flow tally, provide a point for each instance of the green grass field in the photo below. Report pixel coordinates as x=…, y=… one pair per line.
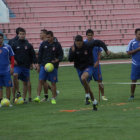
x=116, y=119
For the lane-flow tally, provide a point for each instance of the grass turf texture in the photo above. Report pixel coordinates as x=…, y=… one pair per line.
x=116, y=119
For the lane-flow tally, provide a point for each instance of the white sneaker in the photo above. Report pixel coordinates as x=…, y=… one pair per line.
x=104, y=98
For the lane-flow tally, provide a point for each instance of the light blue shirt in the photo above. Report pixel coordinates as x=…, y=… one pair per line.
x=134, y=44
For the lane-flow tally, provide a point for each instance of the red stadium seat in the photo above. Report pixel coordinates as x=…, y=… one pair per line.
x=113, y=21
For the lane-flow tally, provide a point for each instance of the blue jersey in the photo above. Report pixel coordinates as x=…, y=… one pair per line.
x=95, y=52
x=134, y=44
x=5, y=53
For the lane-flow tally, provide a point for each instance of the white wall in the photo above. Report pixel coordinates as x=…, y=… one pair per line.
x=4, y=13
x=117, y=49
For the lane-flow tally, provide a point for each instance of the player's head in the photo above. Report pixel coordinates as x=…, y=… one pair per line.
x=89, y=34
x=137, y=33
x=1, y=39
x=79, y=41
x=50, y=36
x=22, y=34
x=43, y=34
x=17, y=30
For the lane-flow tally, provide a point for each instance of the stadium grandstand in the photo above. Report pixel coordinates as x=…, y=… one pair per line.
x=113, y=21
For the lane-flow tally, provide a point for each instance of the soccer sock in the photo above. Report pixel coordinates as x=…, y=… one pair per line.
x=46, y=96
x=87, y=95
x=0, y=100
x=30, y=99
x=95, y=101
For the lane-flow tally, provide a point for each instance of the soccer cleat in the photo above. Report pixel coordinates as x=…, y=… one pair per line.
x=95, y=105
x=131, y=99
x=88, y=101
x=37, y=99
x=53, y=101
x=104, y=98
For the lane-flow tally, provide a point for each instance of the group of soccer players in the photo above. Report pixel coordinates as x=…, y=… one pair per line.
x=84, y=53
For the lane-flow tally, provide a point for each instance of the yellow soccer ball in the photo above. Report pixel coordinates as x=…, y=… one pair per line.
x=5, y=102
x=49, y=67
x=19, y=100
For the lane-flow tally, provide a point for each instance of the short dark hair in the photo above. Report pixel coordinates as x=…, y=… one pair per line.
x=1, y=35
x=136, y=30
x=78, y=38
x=44, y=31
x=89, y=31
x=50, y=33
x=17, y=30
x=22, y=30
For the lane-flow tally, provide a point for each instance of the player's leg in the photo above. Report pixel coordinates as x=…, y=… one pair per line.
x=97, y=76
x=101, y=86
x=30, y=91
x=25, y=77
x=52, y=77
x=53, y=89
x=135, y=74
x=8, y=84
x=42, y=79
x=39, y=89
x=16, y=84
x=87, y=94
x=86, y=86
x=84, y=79
x=133, y=87
x=1, y=93
x=17, y=72
x=46, y=86
x=25, y=88
x=8, y=92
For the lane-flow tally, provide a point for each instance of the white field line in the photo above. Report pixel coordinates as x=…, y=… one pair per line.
x=102, y=63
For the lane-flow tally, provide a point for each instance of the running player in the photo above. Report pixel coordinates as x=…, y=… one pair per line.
x=81, y=54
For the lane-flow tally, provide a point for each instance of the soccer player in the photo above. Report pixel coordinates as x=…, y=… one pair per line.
x=24, y=56
x=11, y=43
x=13, y=40
x=97, y=75
x=133, y=49
x=81, y=54
x=6, y=54
x=49, y=52
x=46, y=86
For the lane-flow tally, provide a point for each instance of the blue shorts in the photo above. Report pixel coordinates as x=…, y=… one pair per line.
x=5, y=80
x=97, y=75
x=50, y=76
x=135, y=72
x=23, y=73
x=89, y=70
